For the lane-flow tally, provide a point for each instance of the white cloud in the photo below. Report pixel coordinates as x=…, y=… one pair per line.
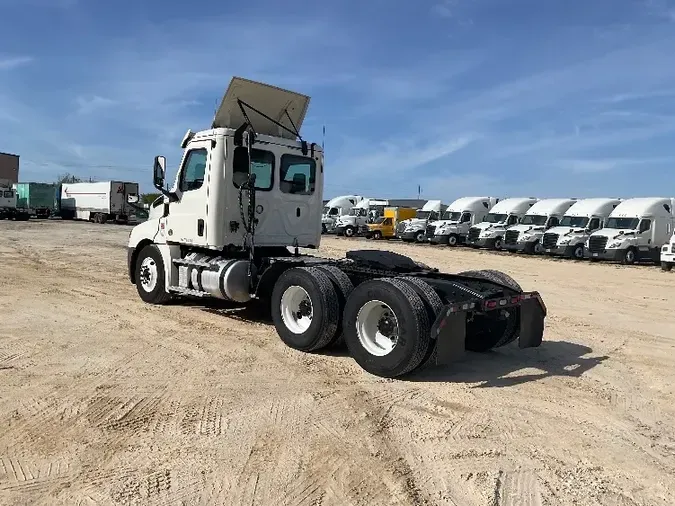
x=11, y=62
x=608, y=164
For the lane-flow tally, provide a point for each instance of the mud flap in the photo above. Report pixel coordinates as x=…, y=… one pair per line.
x=450, y=336
x=531, y=323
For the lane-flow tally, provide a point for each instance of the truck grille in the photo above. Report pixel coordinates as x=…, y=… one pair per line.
x=400, y=228
x=431, y=230
x=549, y=240
x=597, y=244
x=474, y=233
x=511, y=237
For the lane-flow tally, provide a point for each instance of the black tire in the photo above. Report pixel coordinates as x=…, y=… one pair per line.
x=629, y=257
x=158, y=294
x=578, y=252
x=453, y=240
x=420, y=236
x=499, y=244
x=434, y=306
x=324, y=303
x=343, y=288
x=413, y=325
x=483, y=334
x=666, y=266
x=377, y=235
x=349, y=231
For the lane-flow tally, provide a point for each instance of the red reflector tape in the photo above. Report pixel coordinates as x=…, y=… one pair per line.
x=491, y=304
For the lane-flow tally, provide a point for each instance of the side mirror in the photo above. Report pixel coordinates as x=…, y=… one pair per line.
x=158, y=172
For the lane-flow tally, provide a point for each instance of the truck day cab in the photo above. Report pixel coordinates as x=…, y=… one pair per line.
x=415, y=229
x=248, y=195
x=359, y=216
x=458, y=218
x=668, y=254
x=569, y=238
x=490, y=232
x=634, y=231
x=526, y=235
x=335, y=208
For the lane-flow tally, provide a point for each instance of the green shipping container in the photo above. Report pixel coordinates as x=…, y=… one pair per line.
x=37, y=197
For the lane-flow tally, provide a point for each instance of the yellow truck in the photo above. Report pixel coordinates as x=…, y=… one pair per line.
x=385, y=227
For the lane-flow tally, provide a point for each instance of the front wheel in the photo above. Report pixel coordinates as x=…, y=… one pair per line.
x=666, y=266
x=453, y=240
x=629, y=257
x=578, y=252
x=386, y=327
x=349, y=232
x=499, y=245
x=150, y=280
x=420, y=236
x=377, y=235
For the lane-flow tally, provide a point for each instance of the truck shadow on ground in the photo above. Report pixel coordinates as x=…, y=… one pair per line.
x=511, y=366
x=505, y=367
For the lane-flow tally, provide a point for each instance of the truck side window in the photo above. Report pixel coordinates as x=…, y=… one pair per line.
x=262, y=165
x=194, y=167
x=594, y=224
x=387, y=221
x=553, y=222
x=645, y=225
x=297, y=174
x=513, y=219
x=333, y=211
x=466, y=217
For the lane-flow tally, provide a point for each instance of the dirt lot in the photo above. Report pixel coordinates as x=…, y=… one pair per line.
x=104, y=399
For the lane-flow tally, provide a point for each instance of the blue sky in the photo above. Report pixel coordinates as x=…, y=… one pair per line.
x=546, y=98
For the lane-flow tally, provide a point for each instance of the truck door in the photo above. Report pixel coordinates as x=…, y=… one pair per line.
x=186, y=221
x=644, y=238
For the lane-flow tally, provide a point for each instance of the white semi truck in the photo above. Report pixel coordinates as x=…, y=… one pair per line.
x=9, y=208
x=415, y=229
x=97, y=202
x=635, y=231
x=335, y=208
x=359, y=216
x=526, y=235
x=668, y=254
x=569, y=238
x=506, y=213
x=233, y=231
x=453, y=228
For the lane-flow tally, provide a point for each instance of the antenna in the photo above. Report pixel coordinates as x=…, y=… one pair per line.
x=323, y=140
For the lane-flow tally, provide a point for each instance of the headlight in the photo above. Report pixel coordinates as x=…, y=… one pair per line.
x=565, y=240
x=525, y=237
x=614, y=244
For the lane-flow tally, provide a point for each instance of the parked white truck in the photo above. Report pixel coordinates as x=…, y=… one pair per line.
x=668, y=254
x=233, y=230
x=635, y=231
x=359, y=216
x=526, y=235
x=97, y=202
x=453, y=228
x=9, y=208
x=582, y=219
x=506, y=213
x=335, y=208
x=415, y=229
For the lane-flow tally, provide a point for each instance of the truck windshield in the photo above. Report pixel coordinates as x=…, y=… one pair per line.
x=623, y=223
x=355, y=211
x=533, y=219
x=495, y=218
x=452, y=215
x=422, y=215
x=574, y=221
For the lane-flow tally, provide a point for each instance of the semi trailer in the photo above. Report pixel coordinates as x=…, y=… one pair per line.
x=99, y=202
x=668, y=254
x=247, y=198
x=37, y=198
